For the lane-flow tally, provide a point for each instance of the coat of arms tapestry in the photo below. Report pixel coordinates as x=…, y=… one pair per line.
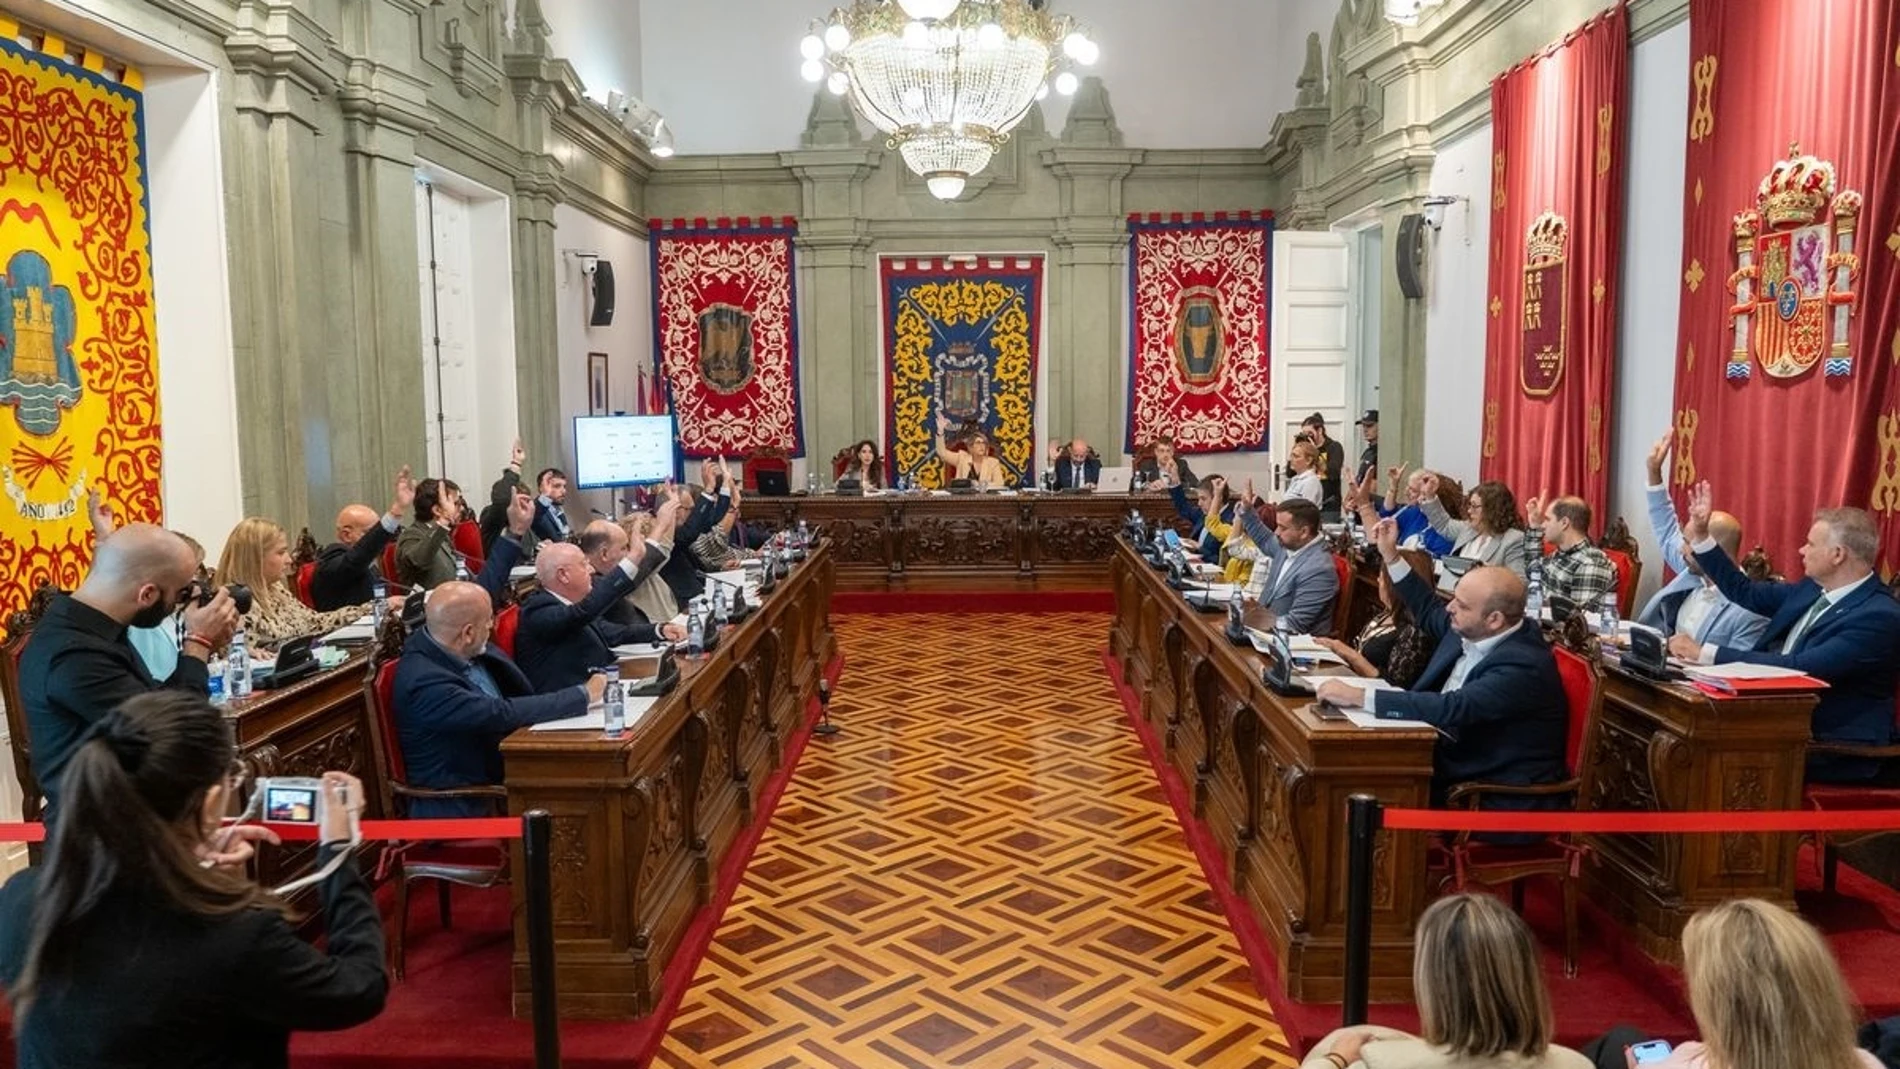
x=961, y=337
x=1557, y=163
x=725, y=328
x=78, y=348
x=1199, y=369
x=1788, y=355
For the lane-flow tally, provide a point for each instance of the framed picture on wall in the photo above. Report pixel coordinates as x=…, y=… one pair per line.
x=597, y=384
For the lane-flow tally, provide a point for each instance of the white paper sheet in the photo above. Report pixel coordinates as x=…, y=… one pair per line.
x=1740, y=670
x=520, y=572
x=595, y=719
x=1364, y=719
x=359, y=632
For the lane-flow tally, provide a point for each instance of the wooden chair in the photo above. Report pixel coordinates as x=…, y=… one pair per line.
x=389, y=562
x=469, y=863
x=1836, y=797
x=840, y=461
x=1759, y=568
x=19, y=629
x=507, y=622
x=304, y=560
x=1558, y=856
x=467, y=540
x=765, y=460
x=1342, y=602
x=1620, y=547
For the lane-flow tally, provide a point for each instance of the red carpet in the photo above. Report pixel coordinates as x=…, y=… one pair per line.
x=958, y=601
x=1614, y=985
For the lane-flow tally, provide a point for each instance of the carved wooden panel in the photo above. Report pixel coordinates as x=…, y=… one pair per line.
x=1076, y=538
x=959, y=540
x=669, y=819
x=568, y=861
x=858, y=539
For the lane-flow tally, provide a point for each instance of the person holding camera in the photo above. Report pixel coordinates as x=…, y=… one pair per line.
x=141, y=941
x=257, y=558
x=78, y=663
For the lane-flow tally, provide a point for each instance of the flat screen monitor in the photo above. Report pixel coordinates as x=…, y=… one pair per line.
x=622, y=450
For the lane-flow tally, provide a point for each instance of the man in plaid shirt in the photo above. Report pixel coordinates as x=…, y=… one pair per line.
x=1577, y=570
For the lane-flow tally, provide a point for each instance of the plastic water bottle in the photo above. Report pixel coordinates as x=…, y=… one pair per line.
x=614, y=702
x=1534, y=589
x=804, y=535
x=237, y=667
x=811, y=482
x=1236, y=612
x=718, y=608
x=379, y=599
x=695, y=633
x=461, y=569
x=1137, y=483
x=1607, y=614
x=214, y=685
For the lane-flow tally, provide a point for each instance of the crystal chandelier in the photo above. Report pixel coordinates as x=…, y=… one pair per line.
x=945, y=79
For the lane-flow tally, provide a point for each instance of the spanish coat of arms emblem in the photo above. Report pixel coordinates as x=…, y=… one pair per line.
x=1795, y=271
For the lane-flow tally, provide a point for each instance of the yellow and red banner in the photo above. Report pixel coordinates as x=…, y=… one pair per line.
x=78, y=353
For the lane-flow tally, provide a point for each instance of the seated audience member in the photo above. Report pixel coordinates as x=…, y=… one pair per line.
x=700, y=511
x=1838, y=625
x=77, y=664
x=1391, y=646
x=865, y=466
x=1402, y=504
x=142, y=942
x=1076, y=467
x=973, y=462
x=425, y=551
x=1491, y=687
x=457, y=696
x=1577, y=569
x=1330, y=463
x=257, y=555
x=1492, y=535
x=1303, y=460
x=550, y=512
x=1368, y=425
x=1164, y=468
x=1294, y=577
x=1690, y=604
x=1481, y=1000
x=563, y=637
x=1766, y=993
x=346, y=568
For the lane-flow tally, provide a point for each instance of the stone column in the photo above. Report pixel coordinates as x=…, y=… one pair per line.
x=540, y=93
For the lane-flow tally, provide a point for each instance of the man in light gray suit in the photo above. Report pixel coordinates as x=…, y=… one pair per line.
x=1294, y=576
x=1690, y=604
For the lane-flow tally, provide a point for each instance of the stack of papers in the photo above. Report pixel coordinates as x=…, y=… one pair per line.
x=595, y=718
x=363, y=630
x=1361, y=718
x=1302, y=647
x=1215, y=591
x=1739, y=679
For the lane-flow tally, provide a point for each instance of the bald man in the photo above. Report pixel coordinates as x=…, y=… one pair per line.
x=1491, y=687
x=607, y=544
x=347, y=567
x=78, y=665
x=1691, y=604
x=1077, y=468
x=457, y=696
x=564, y=636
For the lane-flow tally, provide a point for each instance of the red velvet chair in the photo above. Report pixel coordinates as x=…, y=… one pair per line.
x=467, y=540
x=506, y=622
x=1835, y=797
x=1342, y=602
x=469, y=863
x=389, y=563
x=305, y=573
x=1559, y=856
x=765, y=460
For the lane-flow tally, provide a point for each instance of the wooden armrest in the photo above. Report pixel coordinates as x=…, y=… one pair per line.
x=1466, y=795
x=479, y=791
x=1854, y=749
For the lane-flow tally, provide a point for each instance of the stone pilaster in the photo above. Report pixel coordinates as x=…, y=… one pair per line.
x=539, y=94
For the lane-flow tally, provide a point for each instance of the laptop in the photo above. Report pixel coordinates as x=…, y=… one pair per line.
x=773, y=483
x=1112, y=481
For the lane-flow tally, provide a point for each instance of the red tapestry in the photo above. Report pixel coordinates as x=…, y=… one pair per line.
x=1199, y=370
x=1787, y=393
x=725, y=326
x=1558, y=122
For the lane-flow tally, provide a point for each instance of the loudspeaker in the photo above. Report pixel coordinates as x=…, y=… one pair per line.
x=1410, y=254
x=603, y=295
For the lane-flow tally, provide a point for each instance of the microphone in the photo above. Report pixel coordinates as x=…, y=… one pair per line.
x=740, y=606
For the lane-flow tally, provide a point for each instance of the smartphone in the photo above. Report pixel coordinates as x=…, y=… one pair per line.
x=1655, y=1050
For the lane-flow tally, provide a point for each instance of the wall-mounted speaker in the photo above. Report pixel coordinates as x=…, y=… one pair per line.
x=603, y=287
x=1410, y=254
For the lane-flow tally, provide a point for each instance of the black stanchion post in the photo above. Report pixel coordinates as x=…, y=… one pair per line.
x=1362, y=826
x=536, y=834
x=825, y=727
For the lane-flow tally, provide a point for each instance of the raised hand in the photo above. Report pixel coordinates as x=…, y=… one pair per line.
x=706, y=473
x=665, y=519
x=405, y=493
x=1427, y=485
x=1249, y=499
x=943, y=423
x=1385, y=535
x=1534, y=511
x=1658, y=456
x=1701, y=504
x=103, y=521
x=1395, y=482
x=520, y=513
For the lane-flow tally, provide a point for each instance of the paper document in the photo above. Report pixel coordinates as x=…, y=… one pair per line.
x=1740, y=670
x=357, y=632
x=639, y=649
x=1364, y=719
x=1302, y=647
x=1217, y=591
x=595, y=718
x=520, y=572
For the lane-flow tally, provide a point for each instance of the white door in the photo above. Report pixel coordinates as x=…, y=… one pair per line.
x=1311, y=337
x=450, y=398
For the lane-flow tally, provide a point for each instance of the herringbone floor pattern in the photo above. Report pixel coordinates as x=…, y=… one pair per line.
x=980, y=871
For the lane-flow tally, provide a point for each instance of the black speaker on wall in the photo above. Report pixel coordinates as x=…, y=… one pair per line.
x=1410, y=255
x=603, y=295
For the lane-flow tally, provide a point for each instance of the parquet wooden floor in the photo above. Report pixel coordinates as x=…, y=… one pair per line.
x=979, y=871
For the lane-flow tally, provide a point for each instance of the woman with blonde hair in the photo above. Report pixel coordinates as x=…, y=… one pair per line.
x=257, y=554
x=1304, y=459
x=1481, y=1000
x=974, y=462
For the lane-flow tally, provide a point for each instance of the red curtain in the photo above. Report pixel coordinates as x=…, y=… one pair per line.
x=1558, y=148
x=1787, y=395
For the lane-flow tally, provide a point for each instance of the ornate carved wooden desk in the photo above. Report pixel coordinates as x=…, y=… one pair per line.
x=891, y=538
x=1671, y=748
x=642, y=824
x=1270, y=780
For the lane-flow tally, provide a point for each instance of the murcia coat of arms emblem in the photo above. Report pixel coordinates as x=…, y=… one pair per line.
x=1546, y=305
x=1795, y=271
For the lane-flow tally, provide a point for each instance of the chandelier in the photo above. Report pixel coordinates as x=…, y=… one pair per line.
x=945, y=79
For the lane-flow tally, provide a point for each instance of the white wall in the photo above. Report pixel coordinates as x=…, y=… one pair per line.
x=628, y=342
x=601, y=38
x=1455, y=299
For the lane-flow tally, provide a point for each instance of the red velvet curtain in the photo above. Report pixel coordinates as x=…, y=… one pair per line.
x=1797, y=405
x=1558, y=149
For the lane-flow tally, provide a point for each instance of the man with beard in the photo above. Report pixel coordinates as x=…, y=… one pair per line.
x=78, y=666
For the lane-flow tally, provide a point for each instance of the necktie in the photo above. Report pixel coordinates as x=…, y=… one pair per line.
x=1807, y=620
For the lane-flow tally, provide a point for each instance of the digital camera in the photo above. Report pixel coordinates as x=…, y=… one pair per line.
x=201, y=593
x=292, y=800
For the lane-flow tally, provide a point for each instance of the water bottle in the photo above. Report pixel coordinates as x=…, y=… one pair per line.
x=811, y=482
x=237, y=667
x=379, y=598
x=695, y=635
x=1606, y=614
x=614, y=702
x=1137, y=483
x=1236, y=616
x=1534, y=590
x=214, y=685
x=718, y=609
x=461, y=569
x=804, y=535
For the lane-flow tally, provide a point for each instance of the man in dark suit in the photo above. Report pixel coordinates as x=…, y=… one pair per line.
x=606, y=544
x=562, y=638
x=1077, y=468
x=78, y=666
x=699, y=514
x=1837, y=624
x=550, y=517
x=457, y=696
x=346, y=568
x=1491, y=686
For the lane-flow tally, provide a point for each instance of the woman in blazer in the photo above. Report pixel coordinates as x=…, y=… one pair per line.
x=1481, y=1000
x=974, y=462
x=1493, y=535
x=141, y=942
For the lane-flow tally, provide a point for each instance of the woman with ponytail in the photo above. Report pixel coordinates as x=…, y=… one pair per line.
x=141, y=942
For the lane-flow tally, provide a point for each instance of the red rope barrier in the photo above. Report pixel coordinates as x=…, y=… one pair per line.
x=373, y=830
x=1783, y=820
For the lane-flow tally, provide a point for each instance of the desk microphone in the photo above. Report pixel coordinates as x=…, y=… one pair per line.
x=740, y=608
